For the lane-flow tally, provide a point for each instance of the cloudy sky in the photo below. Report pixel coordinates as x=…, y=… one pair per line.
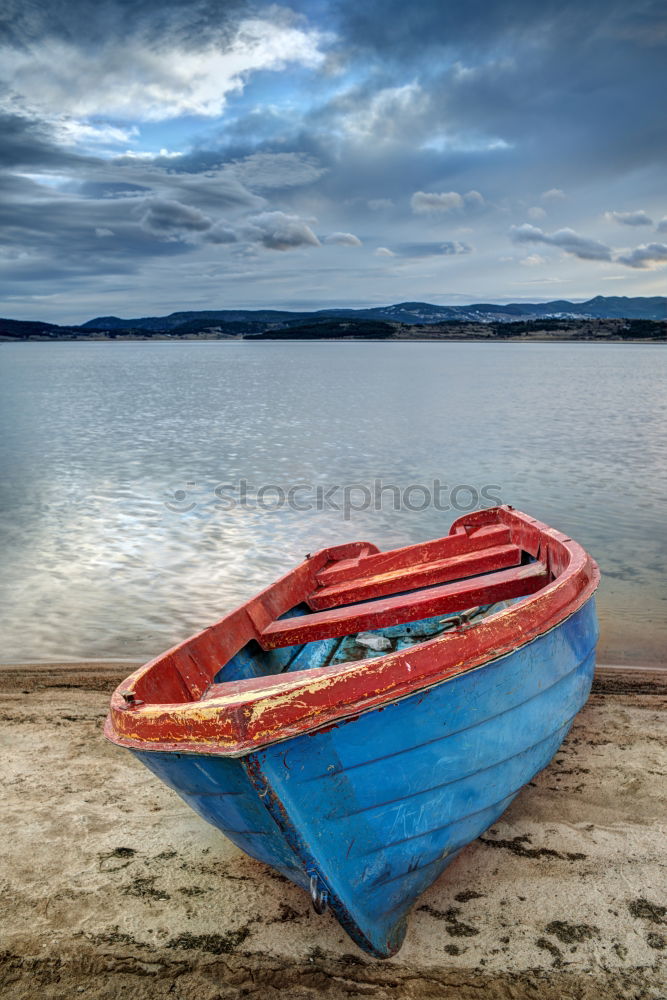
x=159, y=155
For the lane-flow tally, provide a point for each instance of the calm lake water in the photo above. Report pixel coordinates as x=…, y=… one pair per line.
x=124, y=527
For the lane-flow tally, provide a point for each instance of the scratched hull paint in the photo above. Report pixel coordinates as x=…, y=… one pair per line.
x=373, y=808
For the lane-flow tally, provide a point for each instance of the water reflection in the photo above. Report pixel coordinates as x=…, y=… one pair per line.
x=115, y=541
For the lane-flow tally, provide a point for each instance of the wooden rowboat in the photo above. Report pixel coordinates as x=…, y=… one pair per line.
x=367, y=716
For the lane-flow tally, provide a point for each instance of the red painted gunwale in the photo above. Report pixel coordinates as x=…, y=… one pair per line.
x=170, y=704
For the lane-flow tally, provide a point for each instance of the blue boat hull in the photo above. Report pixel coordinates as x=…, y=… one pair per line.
x=369, y=811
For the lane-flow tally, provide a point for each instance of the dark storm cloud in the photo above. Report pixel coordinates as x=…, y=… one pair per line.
x=503, y=92
x=109, y=189
x=436, y=126
x=79, y=216
x=568, y=80
x=77, y=21
x=172, y=217
x=30, y=142
x=33, y=256
x=645, y=256
x=393, y=29
x=638, y=218
x=17, y=186
x=71, y=229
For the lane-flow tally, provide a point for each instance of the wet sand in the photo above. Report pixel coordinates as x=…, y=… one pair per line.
x=111, y=887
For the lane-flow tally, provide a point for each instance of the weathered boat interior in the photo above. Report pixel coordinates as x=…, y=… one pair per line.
x=357, y=604
x=253, y=661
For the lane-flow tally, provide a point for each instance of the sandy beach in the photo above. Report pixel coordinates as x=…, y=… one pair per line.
x=112, y=887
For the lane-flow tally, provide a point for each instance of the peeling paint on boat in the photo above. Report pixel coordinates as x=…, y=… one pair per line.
x=293, y=766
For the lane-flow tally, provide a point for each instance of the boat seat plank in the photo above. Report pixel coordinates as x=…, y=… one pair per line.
x=449, y=597
x=419, y=575
x=458, y=544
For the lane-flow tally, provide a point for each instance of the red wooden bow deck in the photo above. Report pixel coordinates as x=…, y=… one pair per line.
x=488, y=557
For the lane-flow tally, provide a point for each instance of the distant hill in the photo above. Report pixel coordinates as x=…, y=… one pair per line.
x=414, y=313
x=482, y=319
x=27, y=328
x=258, y=317
x=523, y=329
x=366, y=329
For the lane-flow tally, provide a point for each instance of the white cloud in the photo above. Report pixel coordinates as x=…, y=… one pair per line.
x=389, y=114
x=567, y=239
x=537, y=212
x=452, y=248
x=638, y=218
x=101, y=232
x=446, y=202
x=662, y=225
x=279, y=231
x=448, y=142
x=343, y=239
x=71, y=132
x=384, y=252
x=650, y=255
x=533, y=260
x=164, y=154
x=131, y=79
x=553, y=194
x=473, y=200
x=277, y=170
x=427, y=203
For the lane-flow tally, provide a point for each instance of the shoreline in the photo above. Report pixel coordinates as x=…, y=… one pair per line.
x=113, y=887
x=166, y=339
